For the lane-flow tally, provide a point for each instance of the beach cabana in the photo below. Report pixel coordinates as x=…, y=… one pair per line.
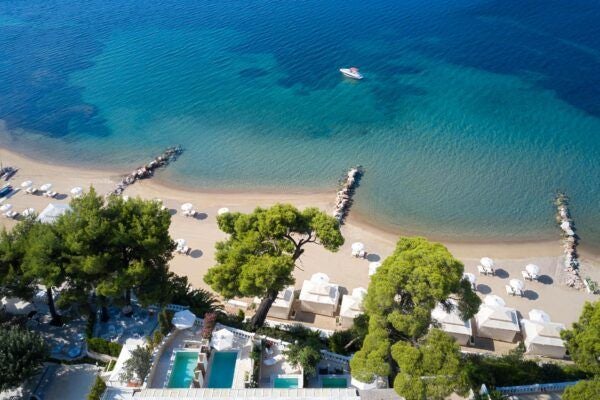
x=542, y=338
x=184, y=319
x=497, y=322
x=319, y=296
x=450, y=322
x=52, y=211
x=282, y=306
x=222, y=339
x=352, y=306
x=16, y=306
x=373, y=266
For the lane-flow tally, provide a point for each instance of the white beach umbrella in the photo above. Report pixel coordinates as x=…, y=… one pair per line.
x=184, y=319
x=186, y=207
x=487, y=262
x=493, y=300
x=517, y=284
x=26, y=184
x=470, y=277
x=222, y=211
x=180, y=243
x=539, y=315
x=222, y=339
x=357, y=247
x=45, y=187
x=320, y=277
x=76, y=191
x=373, y=267
x=5, y=207
x=532, y=269
x=27, y=212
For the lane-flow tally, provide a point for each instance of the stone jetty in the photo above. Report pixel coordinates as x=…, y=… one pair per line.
x=147, y=171
x=569, y=240
x=343, y=200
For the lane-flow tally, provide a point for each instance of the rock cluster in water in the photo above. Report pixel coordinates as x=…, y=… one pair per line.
x=146, y=171
x=343, y=199
x=569, y=242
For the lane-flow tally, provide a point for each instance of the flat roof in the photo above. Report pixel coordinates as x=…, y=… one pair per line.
x=247, y=394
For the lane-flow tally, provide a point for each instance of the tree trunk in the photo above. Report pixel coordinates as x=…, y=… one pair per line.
x=104, y=316
x=258, y=319
x=127, y=297
x=56, y=319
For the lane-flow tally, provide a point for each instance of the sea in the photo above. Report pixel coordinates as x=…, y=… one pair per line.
x=471, y=115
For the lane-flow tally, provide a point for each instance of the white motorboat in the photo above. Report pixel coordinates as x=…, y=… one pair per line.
x=351, y=72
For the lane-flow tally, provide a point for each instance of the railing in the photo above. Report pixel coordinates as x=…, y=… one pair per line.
x=175, y=307
x=537, y=388
x=328, y=355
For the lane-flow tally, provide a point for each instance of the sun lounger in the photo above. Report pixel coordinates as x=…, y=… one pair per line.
x=526, y=275
x=31, y=190
x=509, y=290
x=482, y=271
x=11, y=214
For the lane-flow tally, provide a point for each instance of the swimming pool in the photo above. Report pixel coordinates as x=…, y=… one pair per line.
x=222, y=369
x=285, y=383
x=182, y=373
x=334, y=382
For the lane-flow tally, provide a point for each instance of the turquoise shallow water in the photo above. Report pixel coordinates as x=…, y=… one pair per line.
x=471, y=114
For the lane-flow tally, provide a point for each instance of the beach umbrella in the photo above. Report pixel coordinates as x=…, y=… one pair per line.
x=180, y=243
x=222, y=211
x=45, y=187
x=357, y=247
x=222, y=339
x=517, y=284
x=373, y=267
x=125, y=198
x=320, y=277
x=539, y=315
x=493, y=300
x=5, y=207
x=487, y=262
x=76, y=191
x=184, y=319
x=532, y=269
x=27, y=212
x=470, y=277
x=26, y=184
x=187, y=207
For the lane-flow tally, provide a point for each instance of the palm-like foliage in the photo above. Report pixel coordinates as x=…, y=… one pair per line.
x=21, y=356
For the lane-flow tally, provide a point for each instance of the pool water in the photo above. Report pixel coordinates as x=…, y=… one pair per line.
x=222, y=369
x=183, y=369
x=334, y=382
x=285, y=383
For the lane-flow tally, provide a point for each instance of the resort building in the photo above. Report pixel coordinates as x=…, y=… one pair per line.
x=352, y=307
x=541, y=336
x=282, y=306
x=496, y=321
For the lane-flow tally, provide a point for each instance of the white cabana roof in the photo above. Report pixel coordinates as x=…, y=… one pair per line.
x=352, y=305
x=52, y=211
x=184, y=319
x=285, y=298
x=493, y=300
x=319, y=292
x=16, y=306
x=222, y=339
x=487, y=262
x=532, y=269
x=373, y=266
x=128, y=347
x=319, y=277
x=450, y=321
x=539, y=315
x=543, y=338
x=497, y=322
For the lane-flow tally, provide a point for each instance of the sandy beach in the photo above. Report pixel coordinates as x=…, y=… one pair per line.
x=562, y=303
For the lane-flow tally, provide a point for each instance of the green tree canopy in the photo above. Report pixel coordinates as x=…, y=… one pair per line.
x=258, y=257
x=431, y=370
x=583, y=340
x=13, y=245
x=583, y=390
x=138, y=365
x=21, y=356
x=401, y=295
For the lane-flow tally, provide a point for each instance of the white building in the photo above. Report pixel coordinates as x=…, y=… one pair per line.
x=319, y=296
x=542, y=337
x=282, y=306
x=352, y=306
x=497, y=322
x=452, y=324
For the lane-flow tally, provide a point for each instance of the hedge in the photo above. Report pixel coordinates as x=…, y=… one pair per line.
x=102, y=346
x=97, y=389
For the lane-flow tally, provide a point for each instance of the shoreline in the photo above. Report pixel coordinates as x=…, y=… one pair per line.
x=518, y=247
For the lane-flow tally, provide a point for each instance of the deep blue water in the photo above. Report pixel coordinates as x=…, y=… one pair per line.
x=471, y=114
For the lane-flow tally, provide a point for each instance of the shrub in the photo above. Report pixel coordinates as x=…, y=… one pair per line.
x=235, y=321
x=210, y=320
x=99, y=345
x=97, y=389
x=21, y=356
